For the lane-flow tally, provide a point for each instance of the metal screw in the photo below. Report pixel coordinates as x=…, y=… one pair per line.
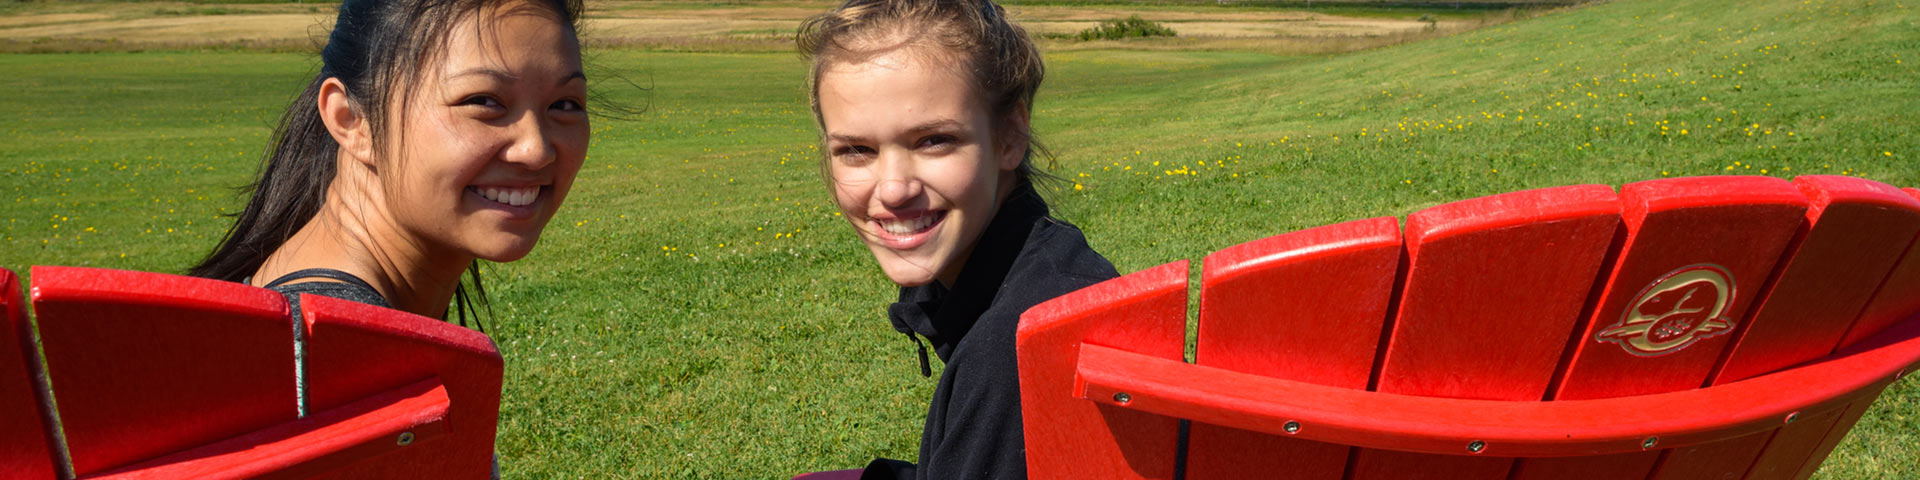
x=1649, y=442
x=1292, y=426
x=1793, y=416
x=1476, y=446
x=406, y=438
x=1122, y=397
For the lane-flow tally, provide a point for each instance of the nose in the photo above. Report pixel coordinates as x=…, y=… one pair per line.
x=898, y=182
x=532, y=146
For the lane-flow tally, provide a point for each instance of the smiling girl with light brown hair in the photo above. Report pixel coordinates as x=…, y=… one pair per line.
x=924, y=108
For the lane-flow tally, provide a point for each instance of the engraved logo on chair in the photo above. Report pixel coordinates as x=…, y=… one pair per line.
x=1684, y=306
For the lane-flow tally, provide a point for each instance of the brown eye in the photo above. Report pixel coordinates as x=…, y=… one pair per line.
x=481, y=101
x=852, y=154
x=936, y=141
x=568, y=106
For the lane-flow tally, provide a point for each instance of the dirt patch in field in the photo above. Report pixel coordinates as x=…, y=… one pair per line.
x=1037, y=13
x=631, y=29
x=771, y=12
x=1210, y=29
x=177, y=29
x=137, y=26
x=34, y=20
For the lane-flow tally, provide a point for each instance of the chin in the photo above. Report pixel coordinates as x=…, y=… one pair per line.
x=910, y=281
x=904, y=274
x=506, y=252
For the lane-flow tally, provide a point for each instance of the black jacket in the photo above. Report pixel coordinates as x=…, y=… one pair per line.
x=973, y=425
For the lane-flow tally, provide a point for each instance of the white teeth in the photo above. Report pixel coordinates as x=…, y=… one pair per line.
x=518, y=197
x=903, y=227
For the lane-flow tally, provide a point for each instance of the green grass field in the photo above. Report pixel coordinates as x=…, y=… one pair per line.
x=696, y=310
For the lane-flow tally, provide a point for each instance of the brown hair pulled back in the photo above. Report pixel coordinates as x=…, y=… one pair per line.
x=1002, y=60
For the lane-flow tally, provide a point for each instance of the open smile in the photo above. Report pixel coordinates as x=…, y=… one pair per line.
x=519, y=201
x=906, y=231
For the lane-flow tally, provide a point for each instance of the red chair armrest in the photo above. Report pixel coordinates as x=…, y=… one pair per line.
x=1488, y=427
x=406, y=417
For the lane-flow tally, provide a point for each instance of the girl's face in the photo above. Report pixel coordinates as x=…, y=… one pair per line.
x=489, y=143
x=913, y=160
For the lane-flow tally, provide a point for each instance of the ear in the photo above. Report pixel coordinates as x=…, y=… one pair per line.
x=345, y=122
x=1014, y=140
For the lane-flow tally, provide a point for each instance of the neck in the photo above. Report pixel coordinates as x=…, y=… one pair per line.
x=366, y=244
x=1009, y=183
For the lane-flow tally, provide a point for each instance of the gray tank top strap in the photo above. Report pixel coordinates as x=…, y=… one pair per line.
x=326, y=273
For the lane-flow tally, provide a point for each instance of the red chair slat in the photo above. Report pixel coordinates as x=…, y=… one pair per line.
x=1702, y=243
x=1621, y=465
x=1863, y=400
x=1723, y=459
x=1836, y=433
x=1792, y=444
x=1068, y=437
x=409, y=417
x=1392, y=464
x=24, y=451
x=1858, y=229
x=1897, y=298
x=356, y=350
x=1494, y=286
x=1304, y=306
x=146, y=364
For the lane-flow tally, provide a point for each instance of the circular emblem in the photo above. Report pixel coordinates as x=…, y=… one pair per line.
x=1684, y=306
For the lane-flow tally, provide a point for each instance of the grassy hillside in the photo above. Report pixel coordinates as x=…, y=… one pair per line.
x=696, y=310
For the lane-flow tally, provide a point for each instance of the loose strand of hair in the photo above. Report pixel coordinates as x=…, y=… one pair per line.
x=471, y=304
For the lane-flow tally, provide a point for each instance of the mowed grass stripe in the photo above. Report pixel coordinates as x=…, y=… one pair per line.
x=698, y=312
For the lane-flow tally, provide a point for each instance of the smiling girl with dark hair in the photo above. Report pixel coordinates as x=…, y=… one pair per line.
x=436, y=134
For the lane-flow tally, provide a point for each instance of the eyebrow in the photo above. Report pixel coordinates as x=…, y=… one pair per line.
x=941, y=124
x=499, y=74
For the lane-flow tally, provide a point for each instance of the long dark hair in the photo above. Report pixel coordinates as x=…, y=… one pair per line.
x=377, y=50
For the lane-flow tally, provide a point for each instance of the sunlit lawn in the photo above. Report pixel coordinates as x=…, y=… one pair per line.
x=697, y=311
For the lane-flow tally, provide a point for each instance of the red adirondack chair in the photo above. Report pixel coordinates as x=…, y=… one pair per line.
x=163, y=376
x=1715, y=327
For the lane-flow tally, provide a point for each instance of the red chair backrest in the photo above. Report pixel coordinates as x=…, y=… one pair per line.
x=146, y=364
x=24, y=451
x=1547, y=296
x=164, y=376
x=356, y=350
